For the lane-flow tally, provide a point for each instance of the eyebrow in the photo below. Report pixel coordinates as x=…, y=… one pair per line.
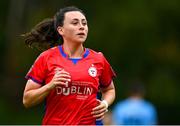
x=76, y=19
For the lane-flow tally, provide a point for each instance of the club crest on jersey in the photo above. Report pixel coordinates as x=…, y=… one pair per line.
x=92, y=71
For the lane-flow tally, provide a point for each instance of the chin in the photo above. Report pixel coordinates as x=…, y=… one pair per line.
x=81, y=40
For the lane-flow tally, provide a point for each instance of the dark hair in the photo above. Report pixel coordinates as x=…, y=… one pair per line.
x=137, y=88
x=44, y=35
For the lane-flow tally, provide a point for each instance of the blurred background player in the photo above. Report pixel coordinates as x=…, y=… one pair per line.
x=134, y=110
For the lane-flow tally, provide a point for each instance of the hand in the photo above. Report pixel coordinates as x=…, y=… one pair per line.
x=61, y=77
x=99, y=111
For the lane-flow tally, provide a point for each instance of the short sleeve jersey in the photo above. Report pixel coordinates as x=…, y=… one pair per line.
x=71, y=104
x=134, y=112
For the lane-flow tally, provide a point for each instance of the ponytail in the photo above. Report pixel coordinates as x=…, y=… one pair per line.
x=43, y=35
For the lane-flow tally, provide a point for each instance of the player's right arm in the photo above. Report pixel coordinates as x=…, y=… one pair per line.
x=35, y=93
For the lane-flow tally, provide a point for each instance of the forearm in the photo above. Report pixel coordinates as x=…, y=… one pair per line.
x=35, y=96
x=35, y=93
x=108, y=94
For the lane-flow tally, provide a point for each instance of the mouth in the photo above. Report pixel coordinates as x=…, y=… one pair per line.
x=81, y=34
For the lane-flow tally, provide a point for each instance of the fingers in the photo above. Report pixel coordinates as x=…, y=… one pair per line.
x=62, y=74
x=56, y=83
x=100, y=116
x=99, y=111
x=100, y=106
x=61, y=77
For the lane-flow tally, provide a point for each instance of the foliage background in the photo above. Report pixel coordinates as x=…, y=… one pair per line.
x=140, y=38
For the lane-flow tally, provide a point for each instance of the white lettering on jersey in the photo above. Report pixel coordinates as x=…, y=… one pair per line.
x=74, y=90
x=82, y=89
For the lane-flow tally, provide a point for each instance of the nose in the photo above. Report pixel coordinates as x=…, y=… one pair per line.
x=81, y=26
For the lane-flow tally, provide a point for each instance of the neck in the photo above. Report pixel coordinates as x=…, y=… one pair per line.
x=73, y=50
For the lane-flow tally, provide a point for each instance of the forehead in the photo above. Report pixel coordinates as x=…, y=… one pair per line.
x=74, y=15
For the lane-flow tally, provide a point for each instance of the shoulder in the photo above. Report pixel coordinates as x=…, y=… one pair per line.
x=123, y=103
x=45, y=55
x=49, y=52
x=121, y=107
x=149, y=105
x=96, y=54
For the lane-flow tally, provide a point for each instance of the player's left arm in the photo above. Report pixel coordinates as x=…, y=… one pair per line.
x=108, y=96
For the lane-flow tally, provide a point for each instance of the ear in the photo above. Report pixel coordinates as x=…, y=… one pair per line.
x=60, y=30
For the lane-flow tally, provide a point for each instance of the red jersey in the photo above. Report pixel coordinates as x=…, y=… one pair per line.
x=72, y=105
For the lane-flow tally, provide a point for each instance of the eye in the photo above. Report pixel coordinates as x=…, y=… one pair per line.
x=84, y=23
x=75, y=23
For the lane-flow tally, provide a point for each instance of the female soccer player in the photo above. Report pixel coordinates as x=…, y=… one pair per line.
x=68, y=76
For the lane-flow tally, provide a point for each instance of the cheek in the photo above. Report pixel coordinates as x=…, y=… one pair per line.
x=86, y=29
x=70, y=32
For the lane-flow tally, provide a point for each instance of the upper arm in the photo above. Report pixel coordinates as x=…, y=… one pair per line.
x=31, y=85
x=30, y=96
x=107, y=74
x=110, y=87
x=37, y=72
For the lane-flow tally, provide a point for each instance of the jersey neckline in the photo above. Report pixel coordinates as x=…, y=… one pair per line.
x=74, y=60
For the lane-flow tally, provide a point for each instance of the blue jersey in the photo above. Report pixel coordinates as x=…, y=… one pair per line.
x=134, y=112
